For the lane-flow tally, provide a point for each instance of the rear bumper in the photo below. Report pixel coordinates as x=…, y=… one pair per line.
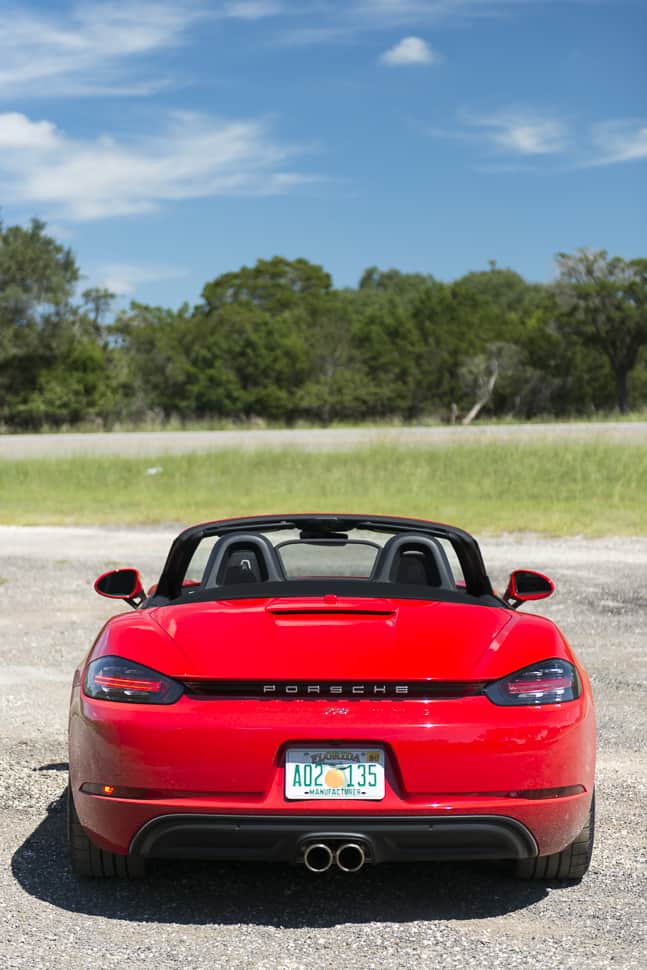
x=284, y=838
x=444, y=760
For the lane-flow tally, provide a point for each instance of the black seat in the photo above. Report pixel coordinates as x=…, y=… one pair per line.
x=413, y=559
x=242, y=558
x=416, y=566
x=241, y=566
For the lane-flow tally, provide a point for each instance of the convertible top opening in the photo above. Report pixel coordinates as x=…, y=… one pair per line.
x=315, y=555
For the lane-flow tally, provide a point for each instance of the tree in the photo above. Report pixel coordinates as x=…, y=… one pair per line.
x=335, y=385
x=403, y=288
x=603, y=301
x=151, y=350
x=479, y=374
x=273, y=285
x=38, y=277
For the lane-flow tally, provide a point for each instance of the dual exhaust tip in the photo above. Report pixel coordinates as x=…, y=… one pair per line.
x=349, y=857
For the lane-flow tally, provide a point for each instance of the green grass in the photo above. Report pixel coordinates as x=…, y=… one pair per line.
x=558, y=489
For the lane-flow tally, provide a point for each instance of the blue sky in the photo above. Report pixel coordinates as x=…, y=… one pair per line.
x=168, y=142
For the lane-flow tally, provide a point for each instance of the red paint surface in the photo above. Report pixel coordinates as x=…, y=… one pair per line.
x=229, y=753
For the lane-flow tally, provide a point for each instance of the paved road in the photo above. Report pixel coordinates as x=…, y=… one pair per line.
x=175, y=442
x=253, y=917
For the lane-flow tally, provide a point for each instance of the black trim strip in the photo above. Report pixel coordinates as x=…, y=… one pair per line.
x=301, y=588
x=271, y=689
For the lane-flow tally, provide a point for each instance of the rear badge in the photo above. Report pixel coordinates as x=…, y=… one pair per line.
x=336, y=710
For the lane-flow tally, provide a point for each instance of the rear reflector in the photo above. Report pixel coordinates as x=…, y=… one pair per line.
x=535, y=794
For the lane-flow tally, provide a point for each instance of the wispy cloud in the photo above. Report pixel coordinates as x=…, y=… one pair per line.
x=618, y=141
x=87, y=45
x=194, y=156
x=95, y=48
x=395, y=12
x=421, y=11
x=340, y=20
x=253, y=9
x=409, y=51
x=123, y=279
x=522, y=132
x=515, y=137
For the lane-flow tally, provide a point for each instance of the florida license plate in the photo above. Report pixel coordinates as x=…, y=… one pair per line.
x=334, y=773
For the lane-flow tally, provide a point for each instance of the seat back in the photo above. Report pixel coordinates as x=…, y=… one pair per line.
x=242, y=558
x=411, y=559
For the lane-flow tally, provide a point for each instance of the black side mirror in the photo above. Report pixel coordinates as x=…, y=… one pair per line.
x=121, y=584
x=525, y=585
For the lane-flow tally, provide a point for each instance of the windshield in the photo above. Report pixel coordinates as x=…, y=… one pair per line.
x=290, y=554
x=332, y=557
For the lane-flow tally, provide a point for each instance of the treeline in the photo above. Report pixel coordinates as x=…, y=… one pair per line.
x=278, y=342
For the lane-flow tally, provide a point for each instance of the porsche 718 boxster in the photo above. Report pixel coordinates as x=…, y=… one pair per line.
x=331, y=691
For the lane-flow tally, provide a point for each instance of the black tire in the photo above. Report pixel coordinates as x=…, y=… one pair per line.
x=88, y=860
x=570, y=864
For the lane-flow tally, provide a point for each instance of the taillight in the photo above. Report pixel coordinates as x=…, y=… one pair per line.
x=116, y=679
x=546, y=682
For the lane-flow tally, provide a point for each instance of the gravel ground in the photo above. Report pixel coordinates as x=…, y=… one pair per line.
x=136, y=443
x=244, y=916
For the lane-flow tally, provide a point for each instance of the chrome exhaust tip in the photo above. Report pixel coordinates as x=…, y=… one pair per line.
x=318, y=857
x=350, y=857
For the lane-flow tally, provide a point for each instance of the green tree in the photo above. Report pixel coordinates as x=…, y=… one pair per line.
x=403, y=288
x=154, y=347
x=602, y=301
x=52, y=356
x=273, y=285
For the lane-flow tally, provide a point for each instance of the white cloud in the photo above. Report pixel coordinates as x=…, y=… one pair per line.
x=122, y=279
x=618, y=141
x=524, y=133
x=410, y=50
x=527, y=134
x=17, y=132
x=90, y=48
x=403, y=10
x=195, y=156
x=342, y=20
x=253, y=9
x=88, y=45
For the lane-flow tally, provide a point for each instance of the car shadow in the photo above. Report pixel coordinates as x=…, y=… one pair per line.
x=267, y=895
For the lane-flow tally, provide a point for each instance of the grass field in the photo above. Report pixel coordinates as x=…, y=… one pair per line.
x=556, y=489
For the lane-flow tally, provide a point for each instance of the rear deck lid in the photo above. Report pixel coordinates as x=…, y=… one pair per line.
x=323, y=638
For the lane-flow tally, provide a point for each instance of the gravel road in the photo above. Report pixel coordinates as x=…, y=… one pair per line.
x=252, y=916
x=137, y=443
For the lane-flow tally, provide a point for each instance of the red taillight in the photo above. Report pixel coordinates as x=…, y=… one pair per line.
x=124, y=683
x=546, y=682
x=118, y=679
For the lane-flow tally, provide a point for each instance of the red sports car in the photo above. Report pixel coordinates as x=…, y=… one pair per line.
x=330, y=690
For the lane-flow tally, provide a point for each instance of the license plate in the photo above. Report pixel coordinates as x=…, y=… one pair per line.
x=334, y=773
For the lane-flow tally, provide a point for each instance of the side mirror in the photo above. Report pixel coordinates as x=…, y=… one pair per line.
x=121, y=584
x=524, y=586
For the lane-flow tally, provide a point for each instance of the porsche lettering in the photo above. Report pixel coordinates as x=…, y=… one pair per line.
x=332, y=690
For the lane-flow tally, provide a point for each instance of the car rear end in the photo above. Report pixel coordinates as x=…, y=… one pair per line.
x=405, y=732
